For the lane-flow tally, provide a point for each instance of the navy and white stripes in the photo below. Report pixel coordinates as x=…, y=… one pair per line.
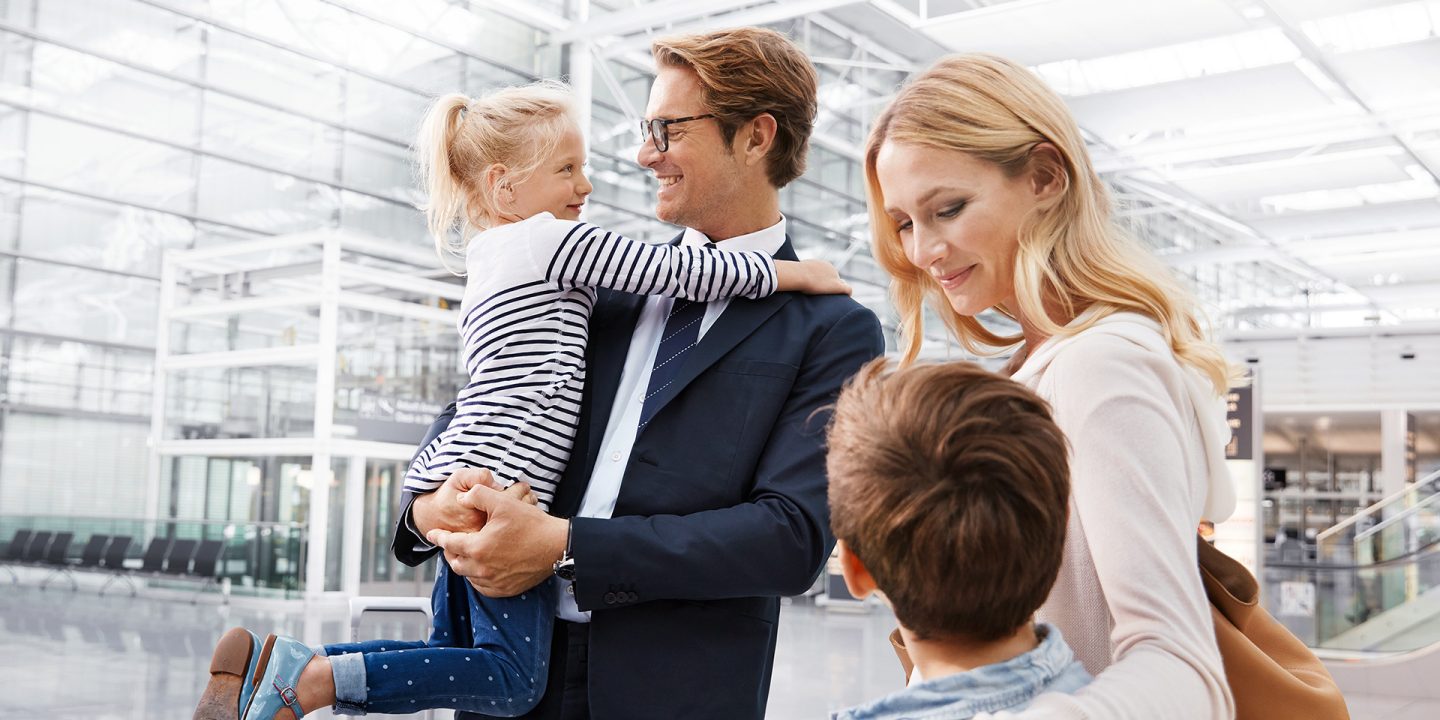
x=525, y=323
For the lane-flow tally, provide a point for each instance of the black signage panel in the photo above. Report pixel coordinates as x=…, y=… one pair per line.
x=1240, y=416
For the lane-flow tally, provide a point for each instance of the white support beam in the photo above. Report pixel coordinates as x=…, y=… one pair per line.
x=846, y=62
x=762, y=15
x=859, y=40
x=1316, y=56
x=898, y=11
x=375, y=450
x=239, y=447
x=353, y=535
x=194, y=259
x=285, y=447
x=398, y=308
x=321, y=465
x=1415, y=329
x=1222, y=255
x=843, y=148
x=996, y=9
x=388, y=249
x=300, y=355
x=650, y=15
x=524, y=12
x=254, y=304
x=580, y=52
x=402, y=282
x=158, y=388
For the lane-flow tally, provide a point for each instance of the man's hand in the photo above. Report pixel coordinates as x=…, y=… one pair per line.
x=515, y=550
x=442, y=509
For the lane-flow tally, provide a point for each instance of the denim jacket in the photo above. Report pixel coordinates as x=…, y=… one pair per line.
x=1009, y=685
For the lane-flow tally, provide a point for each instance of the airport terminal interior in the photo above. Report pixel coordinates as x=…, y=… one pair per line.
x=224, y=327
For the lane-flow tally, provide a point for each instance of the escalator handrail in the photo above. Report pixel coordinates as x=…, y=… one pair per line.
x=1397, y=517
x=1347, y=522
x=1409, y=557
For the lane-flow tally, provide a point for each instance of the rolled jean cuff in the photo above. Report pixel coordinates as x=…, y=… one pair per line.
x=348, y=669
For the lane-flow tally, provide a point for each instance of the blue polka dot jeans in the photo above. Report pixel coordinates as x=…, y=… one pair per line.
x=485, y=655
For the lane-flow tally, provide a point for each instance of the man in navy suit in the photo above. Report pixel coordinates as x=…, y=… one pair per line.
x=695, y=496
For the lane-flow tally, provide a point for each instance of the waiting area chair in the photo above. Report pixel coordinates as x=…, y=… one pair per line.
x=164, y=558
x=172, y=558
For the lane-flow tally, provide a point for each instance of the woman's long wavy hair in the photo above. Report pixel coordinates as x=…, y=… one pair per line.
x=1071, y=255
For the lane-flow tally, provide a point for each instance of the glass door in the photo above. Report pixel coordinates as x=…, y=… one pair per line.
x=380, y=572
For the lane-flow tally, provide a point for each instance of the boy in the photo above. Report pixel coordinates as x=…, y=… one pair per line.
x=949, y=493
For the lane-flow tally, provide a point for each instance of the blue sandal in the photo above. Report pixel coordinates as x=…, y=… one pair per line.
x=235, y=654
x=276, y=677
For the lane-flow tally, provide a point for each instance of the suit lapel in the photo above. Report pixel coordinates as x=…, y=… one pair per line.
x=741, y=318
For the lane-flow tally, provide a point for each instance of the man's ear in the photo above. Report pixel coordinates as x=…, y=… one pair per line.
x=857, y=577
x=1048, y=176
x=756, y=138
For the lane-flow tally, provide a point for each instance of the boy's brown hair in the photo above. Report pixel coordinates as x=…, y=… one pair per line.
x=748, y=71
x=951, y=484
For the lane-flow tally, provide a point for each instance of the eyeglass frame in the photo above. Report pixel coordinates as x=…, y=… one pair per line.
x=647, y=129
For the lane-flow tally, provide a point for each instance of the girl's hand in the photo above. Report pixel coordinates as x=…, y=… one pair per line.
x=812, y=277
x=521, y=491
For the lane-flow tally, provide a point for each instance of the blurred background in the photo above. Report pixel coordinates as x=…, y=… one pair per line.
x=222, y=322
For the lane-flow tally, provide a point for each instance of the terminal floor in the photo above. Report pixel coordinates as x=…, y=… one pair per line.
x=69, y=655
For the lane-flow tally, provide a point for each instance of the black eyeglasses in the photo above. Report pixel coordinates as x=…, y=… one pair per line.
x=658, y=130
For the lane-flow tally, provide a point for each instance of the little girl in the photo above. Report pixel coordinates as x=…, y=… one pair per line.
x=510, y=164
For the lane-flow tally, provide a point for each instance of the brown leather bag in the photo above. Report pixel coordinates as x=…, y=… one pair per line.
x=1272, y=675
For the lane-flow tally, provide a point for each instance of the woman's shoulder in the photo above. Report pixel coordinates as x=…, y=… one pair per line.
x=1123, y=352
x=1119, y=337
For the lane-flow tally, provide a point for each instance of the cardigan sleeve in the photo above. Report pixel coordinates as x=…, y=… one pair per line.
x=1134, y=443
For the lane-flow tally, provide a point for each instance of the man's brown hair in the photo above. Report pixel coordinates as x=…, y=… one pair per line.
x=951, y=484
x=748, y=71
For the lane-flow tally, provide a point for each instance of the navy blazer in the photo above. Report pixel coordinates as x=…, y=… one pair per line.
x=722, y=509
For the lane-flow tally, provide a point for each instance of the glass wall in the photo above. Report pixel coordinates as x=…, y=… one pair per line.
x=133, y=127
x=128, y=128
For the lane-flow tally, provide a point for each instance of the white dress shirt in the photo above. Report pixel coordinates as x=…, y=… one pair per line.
x=620, y=431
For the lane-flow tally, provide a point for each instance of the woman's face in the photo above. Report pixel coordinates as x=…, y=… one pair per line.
x=958, y=218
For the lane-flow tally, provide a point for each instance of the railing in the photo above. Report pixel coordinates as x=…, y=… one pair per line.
x=1387, y=606
x=1400, y=524
x=258, y=558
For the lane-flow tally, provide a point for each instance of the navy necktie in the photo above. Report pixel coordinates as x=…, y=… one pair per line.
x=681, y=333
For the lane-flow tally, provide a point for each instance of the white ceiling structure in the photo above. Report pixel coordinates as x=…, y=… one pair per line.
x=1282, y=154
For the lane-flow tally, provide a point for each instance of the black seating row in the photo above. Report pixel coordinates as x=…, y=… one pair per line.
x=164, y=557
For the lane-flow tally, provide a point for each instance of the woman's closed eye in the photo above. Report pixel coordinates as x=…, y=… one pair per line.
x=952, y=210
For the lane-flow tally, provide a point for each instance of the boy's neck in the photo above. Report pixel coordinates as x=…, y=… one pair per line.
x=940, y=657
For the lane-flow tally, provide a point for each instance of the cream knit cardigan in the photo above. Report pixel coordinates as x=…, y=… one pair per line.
x=1147, y=438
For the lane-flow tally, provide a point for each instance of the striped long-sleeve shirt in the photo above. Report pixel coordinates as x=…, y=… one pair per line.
x=524, y=323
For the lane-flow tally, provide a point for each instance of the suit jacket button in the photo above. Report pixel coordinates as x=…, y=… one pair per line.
x=634, y=597
x=609, y=598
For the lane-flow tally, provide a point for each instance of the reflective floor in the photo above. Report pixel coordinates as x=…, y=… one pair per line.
x=75, y=654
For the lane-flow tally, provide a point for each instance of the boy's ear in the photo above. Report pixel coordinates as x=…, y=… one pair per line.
x=857, y=577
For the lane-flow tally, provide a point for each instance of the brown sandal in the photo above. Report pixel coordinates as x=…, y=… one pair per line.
x=232, y=676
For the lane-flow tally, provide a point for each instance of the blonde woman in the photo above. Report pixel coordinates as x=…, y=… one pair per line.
x=982, y=196
x=508, y=170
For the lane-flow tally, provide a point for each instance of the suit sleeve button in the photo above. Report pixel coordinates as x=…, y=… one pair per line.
x=609, y=598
